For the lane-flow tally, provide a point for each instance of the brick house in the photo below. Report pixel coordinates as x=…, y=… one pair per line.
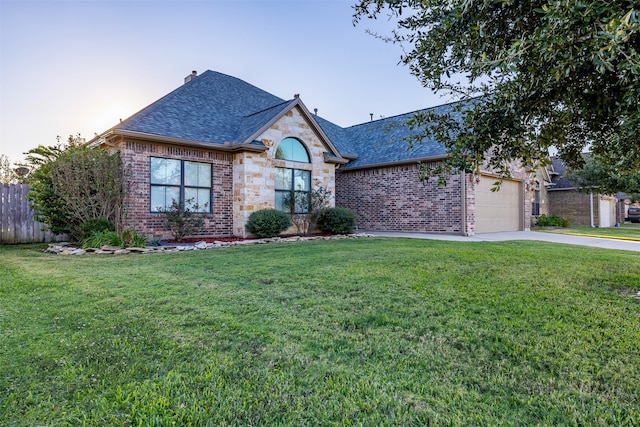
x=235, y=149
x=579, y=207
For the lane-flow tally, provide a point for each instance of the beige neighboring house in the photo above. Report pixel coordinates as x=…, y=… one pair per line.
x=234, y=149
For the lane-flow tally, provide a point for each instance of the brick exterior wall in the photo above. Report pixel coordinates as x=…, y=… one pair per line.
x=136, y=157
x=384, y=198
x=392, y=198
x=242, y=182
x=574, y=206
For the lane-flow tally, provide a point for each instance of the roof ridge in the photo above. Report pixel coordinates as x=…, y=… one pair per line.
x=269, y=108
x=416, y=111
x=410, y=112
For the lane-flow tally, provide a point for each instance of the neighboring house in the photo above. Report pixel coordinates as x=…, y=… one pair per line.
x=540, y=184
x=579, y=207
x=235, y=149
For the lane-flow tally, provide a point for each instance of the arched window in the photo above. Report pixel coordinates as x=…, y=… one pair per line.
x=292, y=149
x=292, y=186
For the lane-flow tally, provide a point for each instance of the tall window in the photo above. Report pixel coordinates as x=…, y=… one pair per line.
x=535, y=205
x=293, y=186
x=292, y=190
x=180, y=180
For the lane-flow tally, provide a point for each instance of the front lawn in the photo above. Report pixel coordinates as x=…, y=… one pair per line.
x=353, y=332
x=624, y=232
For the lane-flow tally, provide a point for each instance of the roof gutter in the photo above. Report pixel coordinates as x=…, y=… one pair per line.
x=397, y=163
x=227, y=146
x=328, y=158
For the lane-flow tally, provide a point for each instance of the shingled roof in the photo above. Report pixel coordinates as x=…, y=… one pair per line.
x=212, y=108
x=218, y=109
x=386, y=141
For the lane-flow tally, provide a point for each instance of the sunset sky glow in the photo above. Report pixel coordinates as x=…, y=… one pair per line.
x=79, y=66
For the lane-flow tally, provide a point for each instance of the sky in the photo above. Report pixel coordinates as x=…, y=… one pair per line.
x=79, y=66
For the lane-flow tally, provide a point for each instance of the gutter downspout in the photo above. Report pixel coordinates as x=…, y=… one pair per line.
x=591, y=208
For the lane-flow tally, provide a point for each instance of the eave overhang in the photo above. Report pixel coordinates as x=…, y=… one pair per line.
x=113, y=135
x=397, y=163
x=330, y=158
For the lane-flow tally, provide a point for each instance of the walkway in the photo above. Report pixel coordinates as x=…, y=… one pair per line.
x=520, y=235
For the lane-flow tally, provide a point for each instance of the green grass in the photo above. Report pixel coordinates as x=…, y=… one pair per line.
x=354, y=332
x=625, y=232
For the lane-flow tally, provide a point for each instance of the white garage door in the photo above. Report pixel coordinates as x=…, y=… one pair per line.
x=498, y=210
x=607, y=212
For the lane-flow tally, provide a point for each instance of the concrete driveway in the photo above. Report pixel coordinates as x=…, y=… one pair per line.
x=520, y=235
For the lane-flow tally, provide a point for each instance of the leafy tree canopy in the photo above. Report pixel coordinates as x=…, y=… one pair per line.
x=7, y=174
x=608, y=180
x=530, y=75
x=72, y=184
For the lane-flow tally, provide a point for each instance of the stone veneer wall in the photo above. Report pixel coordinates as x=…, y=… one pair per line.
x=136, y=155
x=254, y=173
x=391, y=198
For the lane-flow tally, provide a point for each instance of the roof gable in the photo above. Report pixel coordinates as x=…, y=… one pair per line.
x=210, y=108
x=250, y=126
x=561, y=180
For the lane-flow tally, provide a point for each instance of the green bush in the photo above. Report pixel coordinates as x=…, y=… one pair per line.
x=268, y=223
x=128, y=238
x=337, y=221
x=131, y=238
x=552, y=221
x=72, y=183
x=184, y=218
x=101, y=238
x=95, y=225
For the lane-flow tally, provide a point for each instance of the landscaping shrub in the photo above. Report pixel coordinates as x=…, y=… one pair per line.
x=95, y=225
x=337, y=221
x=73, y=183
x=101, y=238
x=268, y=223
x=552, y=221
x=315, y=202
x=133, y=238
x=128, y=238
x=183, y=218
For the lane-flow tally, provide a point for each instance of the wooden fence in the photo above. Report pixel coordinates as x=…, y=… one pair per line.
x=16, y=218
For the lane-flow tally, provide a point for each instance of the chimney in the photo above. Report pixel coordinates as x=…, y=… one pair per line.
x=191, y=76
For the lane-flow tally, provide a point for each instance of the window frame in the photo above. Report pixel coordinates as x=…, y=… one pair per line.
x=291, y=190
x=182, y=187
x=535, y=203
x=279, y=154
x=286, y=156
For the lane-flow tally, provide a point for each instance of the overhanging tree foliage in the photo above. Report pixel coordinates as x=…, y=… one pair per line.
x=607, y=180
x=531, y=75
x=7, y=174
x=73, y=184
